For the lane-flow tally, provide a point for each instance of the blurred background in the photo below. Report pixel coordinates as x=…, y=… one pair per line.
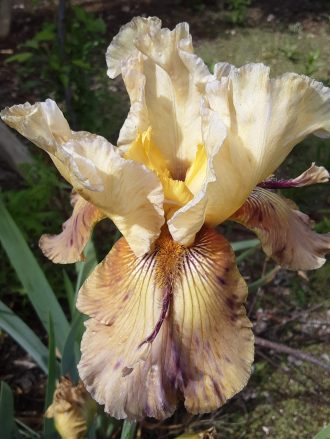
x=57, y=49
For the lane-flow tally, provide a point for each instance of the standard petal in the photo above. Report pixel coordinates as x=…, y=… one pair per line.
x=167, y=326
x=188, y=220
x=161, y=74
x=284, y=231
x=265, y=118
x=68, y=246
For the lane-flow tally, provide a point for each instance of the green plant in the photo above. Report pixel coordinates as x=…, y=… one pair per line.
x=311, y=62
x=237, y=10
x=69, y=70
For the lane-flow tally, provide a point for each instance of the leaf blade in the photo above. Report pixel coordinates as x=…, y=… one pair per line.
x=33, y=279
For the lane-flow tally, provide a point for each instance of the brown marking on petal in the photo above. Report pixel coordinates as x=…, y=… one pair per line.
x=126, y=371
x=221, y=280
x=218, y=392
x=231, y=303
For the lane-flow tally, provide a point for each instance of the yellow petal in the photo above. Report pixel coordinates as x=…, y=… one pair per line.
x=68, y=246
x=284, y=231
x=197, y=172
x=188, y=220
x=161, y=74
x=265, y=119
x=167, y=326
x=125, y=191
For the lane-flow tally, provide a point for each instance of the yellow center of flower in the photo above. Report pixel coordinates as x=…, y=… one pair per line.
x=177, y=193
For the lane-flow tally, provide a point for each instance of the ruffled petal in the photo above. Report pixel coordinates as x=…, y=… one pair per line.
x=68, y=246
x=125, y=191
x=161, y=74
x=284, y=231
x=313, y=175
x=42, y=123
x=265, y=118
x=167, y=326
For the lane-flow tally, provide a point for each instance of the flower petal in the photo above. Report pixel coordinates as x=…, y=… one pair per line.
x=161, y=74
x=284, y=231
x=127, y=192
x=265, y=118
x=188, y=220
x=313, y=175
x=139, y=360
x=42, y=123
x=68, y=246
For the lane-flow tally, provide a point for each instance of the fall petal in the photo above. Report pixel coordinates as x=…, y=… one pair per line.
x=68, y=246
x=124, y=299
x=265, y=118
x=166, y=326
x=284, y=231
x=313, y=175
x=161, y=74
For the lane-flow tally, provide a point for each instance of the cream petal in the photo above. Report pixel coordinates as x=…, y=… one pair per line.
x=284, y=231
x=188, y=220
x=165, y=94
x=42, y=123
x=127, y=192
x=68, y=246
x=139, y=360
x=265, y=119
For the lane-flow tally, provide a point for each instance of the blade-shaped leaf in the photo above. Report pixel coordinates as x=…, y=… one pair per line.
x=71, y=353
x=323, y=434
x=244, y=245
x=31, y=276
x=52, y=376
x=84, y=268
x=23, y=335
x=7, y=417
x=128, y=430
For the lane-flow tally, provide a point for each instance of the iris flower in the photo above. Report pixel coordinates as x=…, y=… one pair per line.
x=167, y=318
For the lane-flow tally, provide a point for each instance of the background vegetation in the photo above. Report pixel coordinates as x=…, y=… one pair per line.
x=57, y=50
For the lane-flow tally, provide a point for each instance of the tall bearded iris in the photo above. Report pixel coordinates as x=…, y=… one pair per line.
x=168, y=321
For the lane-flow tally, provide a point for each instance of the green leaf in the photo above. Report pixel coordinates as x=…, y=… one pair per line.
x=244, y=245
x=52, y=376
x=31, y=276
x=19, y=57
x=24, y=336
x=71, y=353
x=128, y=430
x=268, y=277
x=323, y=434
x=7, y=417
x=84, y=268
x=69, y=292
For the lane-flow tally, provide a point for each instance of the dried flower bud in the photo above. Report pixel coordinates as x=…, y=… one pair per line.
x=72, y=409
